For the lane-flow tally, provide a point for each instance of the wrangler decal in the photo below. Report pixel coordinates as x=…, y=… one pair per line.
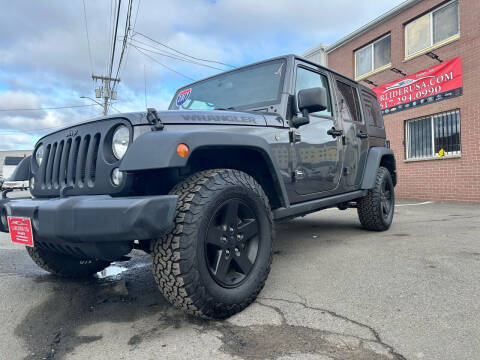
x=220, y=118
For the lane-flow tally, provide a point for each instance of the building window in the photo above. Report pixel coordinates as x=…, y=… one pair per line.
x=433, y=136
x=431, y=29
x=373, y=56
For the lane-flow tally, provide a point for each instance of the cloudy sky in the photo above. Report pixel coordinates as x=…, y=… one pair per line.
x=45, y=63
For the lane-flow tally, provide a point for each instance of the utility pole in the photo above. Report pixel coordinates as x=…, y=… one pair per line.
x=105, y=90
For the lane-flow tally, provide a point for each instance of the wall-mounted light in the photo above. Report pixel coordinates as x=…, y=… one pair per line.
x=433, y=56
x=370, y=82
x=398, y=71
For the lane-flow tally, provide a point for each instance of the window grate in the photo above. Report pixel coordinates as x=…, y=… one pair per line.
x=432, y=136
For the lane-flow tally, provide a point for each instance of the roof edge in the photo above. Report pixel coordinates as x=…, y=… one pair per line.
x=372, y=24
x=315, y=49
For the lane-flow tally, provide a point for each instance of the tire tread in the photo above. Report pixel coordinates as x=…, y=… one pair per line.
x=174, y=263
x=369, y=209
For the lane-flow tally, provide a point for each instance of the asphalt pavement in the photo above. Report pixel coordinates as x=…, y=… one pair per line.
x=335, y=291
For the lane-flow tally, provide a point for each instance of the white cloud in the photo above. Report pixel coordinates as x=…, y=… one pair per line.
x=16, y=142
x=44, y=58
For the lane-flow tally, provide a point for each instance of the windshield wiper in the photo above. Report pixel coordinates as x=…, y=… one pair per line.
x=229, y=108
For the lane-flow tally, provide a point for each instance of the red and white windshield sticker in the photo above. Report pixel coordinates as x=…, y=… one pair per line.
x=183, y=96
x=20, y=230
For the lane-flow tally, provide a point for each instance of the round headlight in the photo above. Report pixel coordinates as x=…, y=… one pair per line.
x=120, y=141
x=39, y=155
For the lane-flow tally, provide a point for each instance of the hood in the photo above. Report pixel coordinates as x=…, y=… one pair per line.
x=218, y=117
x=200, y=117
x=207, y=117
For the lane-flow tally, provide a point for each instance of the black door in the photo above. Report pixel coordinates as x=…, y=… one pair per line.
x=316, y=165
x=355, y=136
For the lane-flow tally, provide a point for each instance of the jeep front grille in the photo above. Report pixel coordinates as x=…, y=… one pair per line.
x=70, y=162
x=80, y=159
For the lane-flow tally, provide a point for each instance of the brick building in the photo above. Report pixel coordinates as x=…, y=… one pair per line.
x=432, y=121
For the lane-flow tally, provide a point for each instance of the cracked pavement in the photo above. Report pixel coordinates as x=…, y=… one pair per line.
x=335, y=291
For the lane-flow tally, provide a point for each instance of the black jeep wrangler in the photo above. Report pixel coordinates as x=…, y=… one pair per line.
x=200, y=186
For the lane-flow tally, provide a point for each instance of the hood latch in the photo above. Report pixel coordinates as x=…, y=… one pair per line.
x=154, y=119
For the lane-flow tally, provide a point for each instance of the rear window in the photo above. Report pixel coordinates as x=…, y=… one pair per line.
x=373, y=114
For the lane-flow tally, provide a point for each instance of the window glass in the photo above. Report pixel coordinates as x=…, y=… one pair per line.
x=363, y=60
x=418, y=35
x=373, y=56
x=447, y=132
x=445, y=22
x=381, y=50
x=432, y=28
x=420, y=138
x=307, y=79
x=350, y=99
x=375, y=112
x=433, y=135
x=248, y=87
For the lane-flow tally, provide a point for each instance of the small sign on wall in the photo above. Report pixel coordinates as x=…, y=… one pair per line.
x=433, y=84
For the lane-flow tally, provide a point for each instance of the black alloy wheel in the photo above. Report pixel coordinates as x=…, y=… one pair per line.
x=386, y=198
x=216, y=259
x=231, y=244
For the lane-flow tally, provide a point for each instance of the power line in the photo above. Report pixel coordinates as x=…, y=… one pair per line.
x=125, y=49
x=145, y=88
x=16, y=131
x=136, y=16
x=48, y=108
x=114, y=108
x=165, y=66
x=176, y=57
x=182, y=53
x=125, y=36
x=27, y=131
x=132, y=29
x=114, y=37
x=88, y=38
x=110, y=32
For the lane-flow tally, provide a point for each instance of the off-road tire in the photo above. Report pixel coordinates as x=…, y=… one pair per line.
x=64, y=265
x=369, y=208
x=178, y=267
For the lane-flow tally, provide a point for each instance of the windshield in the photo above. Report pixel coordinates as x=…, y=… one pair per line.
x=250, y=87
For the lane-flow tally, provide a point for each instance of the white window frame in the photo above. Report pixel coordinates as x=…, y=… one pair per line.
x=432, y=44
x=434, y=155
x=372, y=54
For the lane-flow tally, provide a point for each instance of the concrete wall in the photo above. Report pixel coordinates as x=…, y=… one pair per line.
x=317, y=54
x=454, y=179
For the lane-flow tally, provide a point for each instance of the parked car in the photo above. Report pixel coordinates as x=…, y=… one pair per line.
x=200, y=186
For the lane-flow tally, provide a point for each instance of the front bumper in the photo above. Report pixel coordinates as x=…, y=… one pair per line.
x=95, y=218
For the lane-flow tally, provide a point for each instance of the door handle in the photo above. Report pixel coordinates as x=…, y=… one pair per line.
x=334, y=132
x=362, y=135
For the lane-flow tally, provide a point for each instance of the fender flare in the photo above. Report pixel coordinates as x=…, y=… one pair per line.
x=157, y=150
x=374, y=157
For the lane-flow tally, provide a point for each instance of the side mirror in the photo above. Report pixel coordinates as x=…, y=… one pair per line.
x=309, y=101
x=312, y=100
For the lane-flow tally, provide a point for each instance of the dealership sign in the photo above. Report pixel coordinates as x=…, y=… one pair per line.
x=434, y=84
